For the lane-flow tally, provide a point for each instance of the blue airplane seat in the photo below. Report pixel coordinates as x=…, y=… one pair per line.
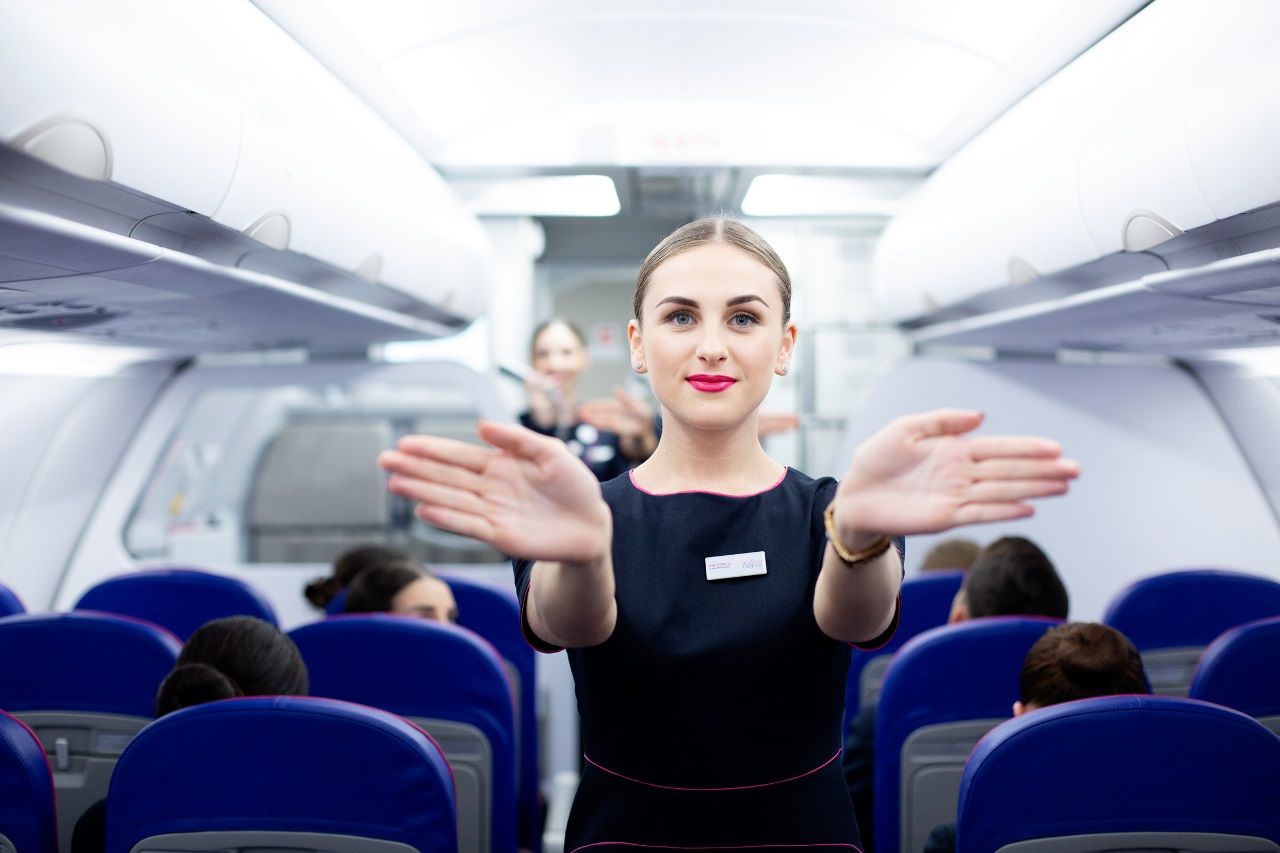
x=1233, y=672
x=926, y=603
x=281, y=773
x=10, y=604
x=179, y=599
x=944, y=690
x=445, y=679
x=1128, y=772
x=86, y=684
x=1171, y=617
x=27, y=822
x=494, y=613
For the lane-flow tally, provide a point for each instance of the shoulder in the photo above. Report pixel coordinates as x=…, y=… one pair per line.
x=813, y=490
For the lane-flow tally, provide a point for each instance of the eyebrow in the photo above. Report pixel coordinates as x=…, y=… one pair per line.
x=691, y=303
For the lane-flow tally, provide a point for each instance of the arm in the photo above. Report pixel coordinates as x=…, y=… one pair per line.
x=923, y=474
x=571, y=605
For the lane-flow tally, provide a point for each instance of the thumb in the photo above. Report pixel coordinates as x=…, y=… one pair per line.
x=518, y=440
x=943, y=422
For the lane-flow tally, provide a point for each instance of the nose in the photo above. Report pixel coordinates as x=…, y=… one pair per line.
x=711, y=348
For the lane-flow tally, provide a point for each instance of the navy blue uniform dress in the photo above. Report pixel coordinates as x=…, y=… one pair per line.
x=599, y=449
x=711, y=716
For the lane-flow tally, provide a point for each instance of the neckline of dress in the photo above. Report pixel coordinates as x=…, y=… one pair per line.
x=631, y=477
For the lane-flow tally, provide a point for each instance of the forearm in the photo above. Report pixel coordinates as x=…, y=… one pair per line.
x=855, y=603
x=572, y=605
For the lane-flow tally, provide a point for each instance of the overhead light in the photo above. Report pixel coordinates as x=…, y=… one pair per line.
x=1258, y=361
x=55, y=358
x=558, y=195
x=819, y=195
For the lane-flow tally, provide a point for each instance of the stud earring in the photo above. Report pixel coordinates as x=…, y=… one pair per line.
x=637, y=366
x=784, y=370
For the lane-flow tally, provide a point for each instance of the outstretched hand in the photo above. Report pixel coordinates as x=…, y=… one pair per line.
x=525, y=495
x=627, y=415
x=924, y=474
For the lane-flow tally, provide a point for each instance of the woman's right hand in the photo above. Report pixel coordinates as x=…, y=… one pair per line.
x=526, y=495
x=546, y=402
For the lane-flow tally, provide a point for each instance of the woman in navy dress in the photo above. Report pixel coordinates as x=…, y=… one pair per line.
x=709, y=598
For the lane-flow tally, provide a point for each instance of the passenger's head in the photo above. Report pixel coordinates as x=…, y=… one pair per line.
x=956, y=553
x=1079, y=661
x=1011, y=577
x=712, y=322
x=349, y=565
x=559, y=350
x=233, y=656
x=404, y=591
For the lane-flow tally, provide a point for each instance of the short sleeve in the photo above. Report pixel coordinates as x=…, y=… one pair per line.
x=524, y=579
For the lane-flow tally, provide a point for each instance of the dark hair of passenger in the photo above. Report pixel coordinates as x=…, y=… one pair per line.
x=1013, y=577
x=954, y=553
x=229, y=657
x=1080, y=661
x=349, y=565
x=374, y=590
x=548, y=323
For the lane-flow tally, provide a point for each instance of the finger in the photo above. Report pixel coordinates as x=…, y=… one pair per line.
x=1013, y=446
x=435, y=494
x=417, y=467
x=519, y=441
x=942, y=422
x=1026, y=469
x=454, y=521
x=451, y=451
x=980, y=513
x=1015, y=490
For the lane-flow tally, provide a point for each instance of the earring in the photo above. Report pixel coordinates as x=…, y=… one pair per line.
x=637, y=366
x=784, y=369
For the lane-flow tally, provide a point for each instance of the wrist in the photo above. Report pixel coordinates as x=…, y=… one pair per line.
x=851, y=544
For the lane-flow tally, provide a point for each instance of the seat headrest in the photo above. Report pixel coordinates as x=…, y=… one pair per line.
x=91, y=662
x=1230, y=670
x=288, y=764
x=179, y=599
x=10, y=604
x=1206, y=603
x=1121, y=764
x=26, y=790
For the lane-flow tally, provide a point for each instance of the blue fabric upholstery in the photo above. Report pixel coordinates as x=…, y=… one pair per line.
x=1190, y=608
x=926, y=603
x=284, y=764
x=1239, y=670
x=494, y=613
x=26, y=790
x=337, y=604
x=418, y=668
x=10, y=604
x=1121, y=764
x=968, y=671
x=91, y=662
x=179, y=599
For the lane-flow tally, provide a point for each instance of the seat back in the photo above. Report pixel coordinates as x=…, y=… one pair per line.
x=926, y=603
x=445, y=679
x=1205, y=602
x=494, y=613
x=1123, y=773
x=27, y=823
x=944, y=690
x=179, y=599
x=86, y=684
x=10, y=604
x=281, y=773
x=1239, y=670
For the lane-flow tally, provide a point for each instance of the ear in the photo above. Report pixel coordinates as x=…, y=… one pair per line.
x=636, y=345
x=1019, y=709
x=783, y=364
x=959, y=609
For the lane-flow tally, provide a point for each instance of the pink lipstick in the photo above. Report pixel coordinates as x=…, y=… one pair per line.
x=710, y=384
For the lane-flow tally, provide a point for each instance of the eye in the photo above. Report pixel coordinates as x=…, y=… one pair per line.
x=680, y=318
x=743, y=320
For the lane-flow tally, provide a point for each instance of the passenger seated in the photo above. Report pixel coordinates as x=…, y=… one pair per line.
x=951, y=554
x=1011, y=577
x=228, y=657
x=402, y=589
x=1069, y=662
x=350, y=565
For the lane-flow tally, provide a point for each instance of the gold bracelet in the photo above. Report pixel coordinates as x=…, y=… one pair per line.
x=875, y=550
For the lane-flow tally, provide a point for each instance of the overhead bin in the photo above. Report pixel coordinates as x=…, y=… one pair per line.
x=1163, y=127
x=209, y=107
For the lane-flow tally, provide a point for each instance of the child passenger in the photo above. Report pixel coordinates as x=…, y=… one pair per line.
x=708, y=597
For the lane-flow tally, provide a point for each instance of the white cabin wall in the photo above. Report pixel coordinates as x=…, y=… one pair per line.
x=1163, y=483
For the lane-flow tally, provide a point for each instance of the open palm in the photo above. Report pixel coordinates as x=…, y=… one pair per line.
x=526, y=495
x=925, y=474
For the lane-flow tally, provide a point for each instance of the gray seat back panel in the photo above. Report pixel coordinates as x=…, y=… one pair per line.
x=933, y=759
x=251, y=842
x=1170, y=670
x=1145, y=842
x=471, y=757
x=870, y=680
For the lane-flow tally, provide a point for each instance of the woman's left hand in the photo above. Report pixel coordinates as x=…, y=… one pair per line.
x=628, y=416
x=924, y=473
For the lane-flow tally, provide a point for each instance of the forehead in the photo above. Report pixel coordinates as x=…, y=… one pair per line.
x=713, y=272
x=557, y=336
x=426, y=588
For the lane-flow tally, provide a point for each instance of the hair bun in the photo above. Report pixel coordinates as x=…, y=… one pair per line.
x=193, y=684
x=322, y=590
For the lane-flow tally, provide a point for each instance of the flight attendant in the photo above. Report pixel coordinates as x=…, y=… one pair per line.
x=709, y=599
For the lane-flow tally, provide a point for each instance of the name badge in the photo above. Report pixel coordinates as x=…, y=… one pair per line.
x=735, y=566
